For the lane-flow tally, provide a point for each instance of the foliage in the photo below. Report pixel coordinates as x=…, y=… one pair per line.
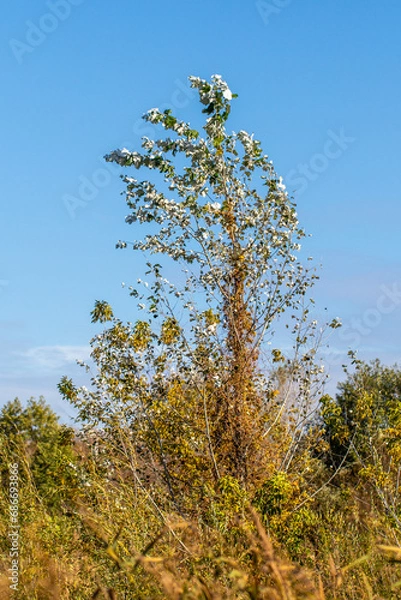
x=363, y=429
x=117, y=539
x=34, y=432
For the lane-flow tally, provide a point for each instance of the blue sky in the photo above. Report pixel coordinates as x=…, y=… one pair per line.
x=319, y=84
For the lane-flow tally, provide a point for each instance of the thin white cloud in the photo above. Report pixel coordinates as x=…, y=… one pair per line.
x=36, y=371
x=50, y=358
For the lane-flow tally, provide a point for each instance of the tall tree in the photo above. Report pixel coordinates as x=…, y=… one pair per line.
x=215, y=205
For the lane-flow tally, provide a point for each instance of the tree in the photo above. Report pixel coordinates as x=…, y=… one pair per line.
x=32, y=435
x=363, y=429
x=215, y=206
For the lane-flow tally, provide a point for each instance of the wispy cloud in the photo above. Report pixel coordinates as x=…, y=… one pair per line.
x=52, y=358
x=35, y=371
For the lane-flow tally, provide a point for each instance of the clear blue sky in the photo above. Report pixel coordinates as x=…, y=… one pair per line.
x=318, y=82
